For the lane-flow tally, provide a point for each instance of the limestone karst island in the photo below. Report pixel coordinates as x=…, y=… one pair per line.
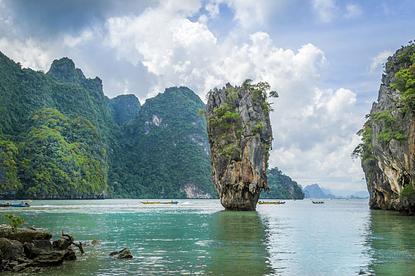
x=240, y=137
x=210, y=137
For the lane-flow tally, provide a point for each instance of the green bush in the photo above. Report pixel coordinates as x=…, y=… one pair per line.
x=365, y=149
x=390, y=129
x=408, y=191
x=405, y=82
x=259, y=127
x=386, y=136
x=384, y=116
x=14, y=221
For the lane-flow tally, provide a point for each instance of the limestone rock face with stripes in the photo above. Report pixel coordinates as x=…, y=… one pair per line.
x=388, y=146
x=240, y=138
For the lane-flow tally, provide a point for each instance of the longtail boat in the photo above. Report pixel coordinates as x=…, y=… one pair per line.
x=17, y=205
x=159, y=202
x=271, y=202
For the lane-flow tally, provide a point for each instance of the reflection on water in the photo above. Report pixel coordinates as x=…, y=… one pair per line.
x=327, y=239
x=239, y=244
x=195, y=237
x=391, y=240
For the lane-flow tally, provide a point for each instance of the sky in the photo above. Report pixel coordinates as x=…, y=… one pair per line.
x=324, y=57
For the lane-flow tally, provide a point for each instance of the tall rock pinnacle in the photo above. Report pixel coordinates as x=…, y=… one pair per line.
x=240, y=138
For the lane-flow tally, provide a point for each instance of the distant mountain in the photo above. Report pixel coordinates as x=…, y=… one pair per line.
x=281, y=186
x=315, y=191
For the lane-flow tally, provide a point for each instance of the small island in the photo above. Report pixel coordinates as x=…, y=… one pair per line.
x=240, y=138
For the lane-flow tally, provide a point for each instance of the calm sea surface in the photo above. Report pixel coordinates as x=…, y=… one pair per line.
x=340, y=237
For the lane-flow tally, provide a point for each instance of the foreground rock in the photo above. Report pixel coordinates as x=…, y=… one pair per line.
x=240, y=138
x=27, y=249
x=388, y=147
x=122, y=254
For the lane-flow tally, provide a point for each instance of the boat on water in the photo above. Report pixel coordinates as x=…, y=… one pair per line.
x=16, y=205
x=271, y=202
x=159, y=202
x=318, y=202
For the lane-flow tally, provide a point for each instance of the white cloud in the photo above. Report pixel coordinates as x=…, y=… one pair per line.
x=250, y=13
x=247, y=13
x=29, y=52
x=353, y=10
x=379, y=60
x=173, y=48
x=329, y=125
x=212, y=7
x=324, y=9
x=74, y=41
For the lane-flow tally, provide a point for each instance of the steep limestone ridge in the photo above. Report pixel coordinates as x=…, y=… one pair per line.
x=125, y=108
x=388, y=147
x=240, y=138
x=164, y=151
x=56, y=132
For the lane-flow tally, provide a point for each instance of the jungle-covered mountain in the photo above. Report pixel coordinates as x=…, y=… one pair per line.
x=165, y=152
x=56, y=130
x=281, y=186
x=61, y=137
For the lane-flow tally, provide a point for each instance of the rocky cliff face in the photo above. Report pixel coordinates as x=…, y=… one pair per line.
x=240, y=138
x=388, y=147
x=125, y=108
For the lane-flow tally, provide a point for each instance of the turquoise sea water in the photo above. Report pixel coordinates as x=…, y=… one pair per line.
x=340, y=237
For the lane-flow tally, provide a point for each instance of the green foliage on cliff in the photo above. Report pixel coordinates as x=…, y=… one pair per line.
x=226, y=123
x=125, y=108
x=389, y=128
x=62, y=157
x=57, y=127
x=24, y=91
x=259, y=127
x=402, y=67
x=404, y=80
x=408, y=191
x=9, y=181
x=384, y=116
x=281, y=186
x=365, y=149
x=259, y=94
x=165, y=149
